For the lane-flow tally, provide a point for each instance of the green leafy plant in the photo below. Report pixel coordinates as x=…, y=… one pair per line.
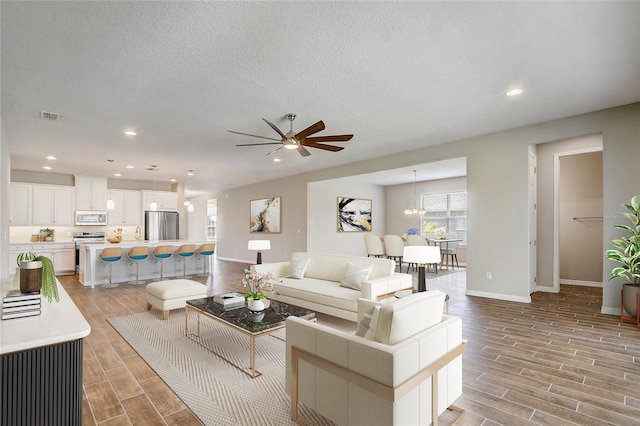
x=626, y=250
x=49, y=285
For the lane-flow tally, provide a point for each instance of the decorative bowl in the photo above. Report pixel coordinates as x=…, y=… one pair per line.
x=114, y=240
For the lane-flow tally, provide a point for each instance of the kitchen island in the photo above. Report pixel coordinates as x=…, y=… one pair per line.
x=93, y=271
x=41, y=364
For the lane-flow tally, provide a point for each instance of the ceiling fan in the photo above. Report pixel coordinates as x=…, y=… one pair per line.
x=299, y=140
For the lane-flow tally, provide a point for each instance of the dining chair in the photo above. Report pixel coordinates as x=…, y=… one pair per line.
x=374, y=246
x=430, y=237
x=451, y=248
x=394, y=247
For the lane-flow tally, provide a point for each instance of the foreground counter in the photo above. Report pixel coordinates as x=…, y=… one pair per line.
x=95, y=272
x=41, y=364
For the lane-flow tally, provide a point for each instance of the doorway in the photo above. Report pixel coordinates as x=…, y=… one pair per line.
x=580, y=218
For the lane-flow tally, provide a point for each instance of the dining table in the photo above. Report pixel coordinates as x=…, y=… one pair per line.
x=445, y=241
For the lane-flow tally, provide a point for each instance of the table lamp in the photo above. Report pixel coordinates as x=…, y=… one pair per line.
x=422, y=255
x=259, y=245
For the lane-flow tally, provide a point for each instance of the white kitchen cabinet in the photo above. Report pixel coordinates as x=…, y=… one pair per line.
x=62, y=255
x=167, y=201
x=126, y=210
x=21, y=199
x=53, y=205
x=91, y=193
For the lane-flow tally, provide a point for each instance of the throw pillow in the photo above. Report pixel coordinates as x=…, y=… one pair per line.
x=297, y=267
x=367, y=325
x=354, y=275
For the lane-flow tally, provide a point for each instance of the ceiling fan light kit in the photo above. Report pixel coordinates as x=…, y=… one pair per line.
x=299, y=141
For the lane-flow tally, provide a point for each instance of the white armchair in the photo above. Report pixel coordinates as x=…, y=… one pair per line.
x=403, y=366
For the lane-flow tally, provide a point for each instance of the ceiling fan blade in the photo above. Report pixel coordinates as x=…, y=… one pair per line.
x=325, y=147
x=254, y=136
x=263, y=143
x=303, y=151
x=271, y=152
x=315, y=128
x=332, y=138
x=274, y=127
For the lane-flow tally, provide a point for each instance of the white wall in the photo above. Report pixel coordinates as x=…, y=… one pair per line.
x=322, y=217
x=5, y=206
x=497, y=189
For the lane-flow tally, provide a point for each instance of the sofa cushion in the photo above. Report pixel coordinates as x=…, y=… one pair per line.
x=327, y=293
x=408, y=316
x=368, y=325
x=297, y=267
x=355, y=274
x=331, y=267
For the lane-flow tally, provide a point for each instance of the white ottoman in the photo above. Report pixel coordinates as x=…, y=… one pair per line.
x=173, y=294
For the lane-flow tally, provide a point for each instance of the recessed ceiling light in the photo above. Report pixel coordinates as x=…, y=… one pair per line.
x=514, y=92
x=276, y=160
x=47, y=167
x=129, y=166
x=190, y=173
x=51, y=157
x=117, y=174
x=172, y=180
x=130, y=133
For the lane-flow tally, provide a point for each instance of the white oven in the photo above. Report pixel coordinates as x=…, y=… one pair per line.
x=83, y=238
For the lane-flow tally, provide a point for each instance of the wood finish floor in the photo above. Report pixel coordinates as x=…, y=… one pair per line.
x=555, y=361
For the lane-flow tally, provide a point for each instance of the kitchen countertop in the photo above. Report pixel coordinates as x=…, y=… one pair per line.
x=57, y=241
x=59, y=322
x=132, y=243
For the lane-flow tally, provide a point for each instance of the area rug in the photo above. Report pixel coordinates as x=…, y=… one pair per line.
x=216, y=392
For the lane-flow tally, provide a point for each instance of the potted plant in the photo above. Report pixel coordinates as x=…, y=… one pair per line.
x=48, y=287
x=626, y=253
x=256, y=282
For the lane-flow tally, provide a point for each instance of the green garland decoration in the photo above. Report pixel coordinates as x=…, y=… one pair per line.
x=49, y=285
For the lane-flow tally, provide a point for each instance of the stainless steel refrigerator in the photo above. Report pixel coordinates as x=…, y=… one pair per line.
x=160, y=225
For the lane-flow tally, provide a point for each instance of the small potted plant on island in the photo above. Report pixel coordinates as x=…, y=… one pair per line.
x=257, y=282
x=626, y=252
x=36, y=273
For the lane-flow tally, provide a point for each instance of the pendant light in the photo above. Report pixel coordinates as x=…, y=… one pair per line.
x=153, y=206
x=110, y=204
x=415, y=209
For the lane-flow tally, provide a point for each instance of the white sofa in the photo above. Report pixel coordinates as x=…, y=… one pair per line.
x=405, y=368
x=320, y=288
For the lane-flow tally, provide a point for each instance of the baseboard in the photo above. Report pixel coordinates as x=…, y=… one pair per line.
x=232, y=259
x=582, y=283
x=498, y=296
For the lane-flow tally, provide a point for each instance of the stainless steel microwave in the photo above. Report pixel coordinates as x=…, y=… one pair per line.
x=91, y=217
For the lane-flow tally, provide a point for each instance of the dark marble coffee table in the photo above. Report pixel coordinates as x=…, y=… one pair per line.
x=246, y=322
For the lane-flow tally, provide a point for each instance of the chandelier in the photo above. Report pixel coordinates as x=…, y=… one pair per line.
x=416, y=208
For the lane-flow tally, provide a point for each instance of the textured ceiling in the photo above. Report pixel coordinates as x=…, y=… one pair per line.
x=398, y=75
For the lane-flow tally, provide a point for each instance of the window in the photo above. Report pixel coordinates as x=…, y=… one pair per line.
x=212, y=216
x=445, y=213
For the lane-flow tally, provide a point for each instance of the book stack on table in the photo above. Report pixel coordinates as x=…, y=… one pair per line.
x=229, y=300
x=17, y=305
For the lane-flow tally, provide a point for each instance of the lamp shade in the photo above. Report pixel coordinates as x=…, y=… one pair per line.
x=421, y=254
x=259, y=245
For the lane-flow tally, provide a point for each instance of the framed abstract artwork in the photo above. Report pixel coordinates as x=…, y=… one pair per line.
x=265, y=215
x=354, y=214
